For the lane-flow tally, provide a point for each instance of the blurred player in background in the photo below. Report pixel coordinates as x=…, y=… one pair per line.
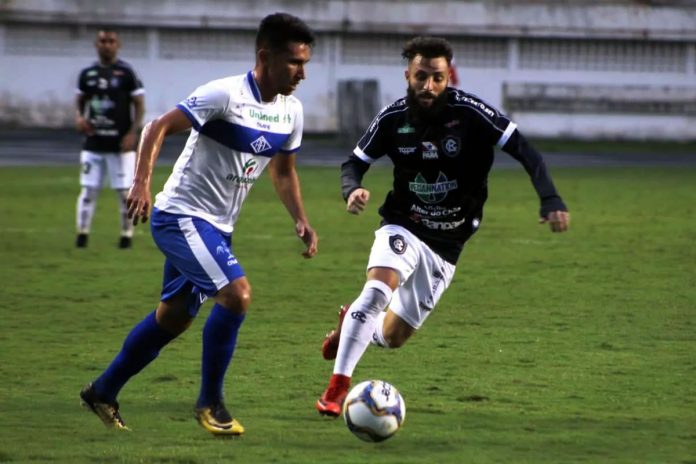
x=110, y=107
x=441, y=141
x=241, y=124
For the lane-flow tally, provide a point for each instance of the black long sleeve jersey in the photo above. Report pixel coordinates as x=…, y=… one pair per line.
x=441, y=168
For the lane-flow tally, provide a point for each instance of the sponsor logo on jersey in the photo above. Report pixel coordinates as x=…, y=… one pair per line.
x=249, y=167
x=451, y=145
x=93, y=72
x=407, y=150
x=432, y=193
x=407, y=129
x=114, y=82
x=429, y=151
x=101, y=105
x=453, y=123
x=191, y=102
x=397, y=244
x=476, y=103
x=241, y=180
x=103, y=83
x=260, y=144
x=440, y=225
x=263, y=116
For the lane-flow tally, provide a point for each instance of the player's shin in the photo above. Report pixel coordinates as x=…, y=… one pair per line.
x=140, y=348
x=86, y=205
x=126, y=224
x=359, y=325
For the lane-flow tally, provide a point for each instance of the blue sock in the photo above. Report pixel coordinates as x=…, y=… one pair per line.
x=140, y=348
x=219, y=341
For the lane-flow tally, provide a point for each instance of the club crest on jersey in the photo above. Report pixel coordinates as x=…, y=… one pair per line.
x=429, y=151
x=451, y=145
x=432, y=193
x=260, y=144
x=397, y=244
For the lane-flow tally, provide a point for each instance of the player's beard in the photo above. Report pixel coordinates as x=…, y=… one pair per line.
x=422, y=114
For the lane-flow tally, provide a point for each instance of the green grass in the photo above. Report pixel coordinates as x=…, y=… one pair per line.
x=547, y=348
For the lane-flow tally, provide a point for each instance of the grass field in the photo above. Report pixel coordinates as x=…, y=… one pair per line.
x=548, y=348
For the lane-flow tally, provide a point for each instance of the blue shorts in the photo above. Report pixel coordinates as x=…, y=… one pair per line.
x=199, y=259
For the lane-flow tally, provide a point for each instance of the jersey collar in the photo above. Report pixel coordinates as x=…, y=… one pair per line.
x=254, y=88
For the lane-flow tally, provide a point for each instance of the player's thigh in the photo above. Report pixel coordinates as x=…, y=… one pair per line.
x=121, y=168
x=92, y=169
x=199, y=256
x=417, y=297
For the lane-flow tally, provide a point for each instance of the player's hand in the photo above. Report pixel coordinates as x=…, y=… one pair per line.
x=128, y=141
x=558, y=220
x=138, y=203
x=357, y=201
x=84, y=126
x=308, y=236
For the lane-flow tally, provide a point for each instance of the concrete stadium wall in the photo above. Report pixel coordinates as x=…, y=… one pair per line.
x=176, y=45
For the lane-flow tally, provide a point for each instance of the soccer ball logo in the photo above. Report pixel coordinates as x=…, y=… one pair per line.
x=374, y=410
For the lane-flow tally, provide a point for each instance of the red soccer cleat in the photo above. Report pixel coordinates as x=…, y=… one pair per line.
x=331, y=402
x=330, y=346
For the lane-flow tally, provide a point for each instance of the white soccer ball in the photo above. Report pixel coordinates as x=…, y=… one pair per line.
x=374, y=410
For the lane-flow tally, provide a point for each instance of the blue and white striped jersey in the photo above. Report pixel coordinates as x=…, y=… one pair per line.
x=234, y=136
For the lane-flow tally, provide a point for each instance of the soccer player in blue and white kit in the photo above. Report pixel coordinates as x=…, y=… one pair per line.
x=241, y=124
x=440, y=140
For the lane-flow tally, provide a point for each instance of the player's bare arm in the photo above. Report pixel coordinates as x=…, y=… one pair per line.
x=81, y=123
x=287, y=186
x=139, y=200
x=130, y=137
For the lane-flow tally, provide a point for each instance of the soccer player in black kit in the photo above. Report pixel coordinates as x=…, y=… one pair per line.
x=440, y=140
x=110, y=107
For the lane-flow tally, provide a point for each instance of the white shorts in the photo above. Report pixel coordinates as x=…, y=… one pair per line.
x=121, y=167
x=423, y=274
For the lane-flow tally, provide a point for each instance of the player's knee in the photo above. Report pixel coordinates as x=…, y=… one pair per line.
x=173, y=316
x=235, y=297
x=376, y=296
x=89, y=194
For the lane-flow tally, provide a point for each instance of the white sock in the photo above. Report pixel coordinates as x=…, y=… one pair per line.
x=86, y=205
x=378, y=335
x=359, y=324
x=126, y=224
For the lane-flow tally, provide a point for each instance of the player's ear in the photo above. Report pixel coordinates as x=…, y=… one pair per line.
x=263, y=56
x=406, y=74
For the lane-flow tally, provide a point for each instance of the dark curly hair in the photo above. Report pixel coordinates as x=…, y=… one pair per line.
x=428, y=47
